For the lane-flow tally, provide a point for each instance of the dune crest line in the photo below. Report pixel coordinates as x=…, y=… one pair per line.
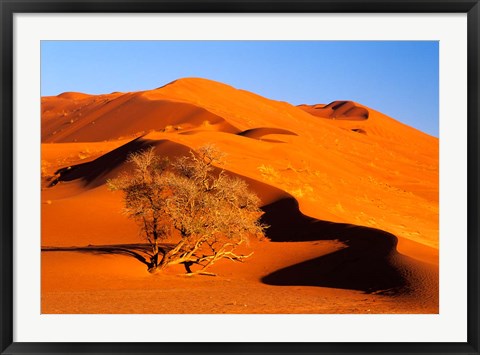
x=369, y=263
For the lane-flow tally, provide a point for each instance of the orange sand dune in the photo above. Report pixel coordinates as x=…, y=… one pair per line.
x=377, y=266
x=368, y=202
x=260, y=133
x=338, y=110
x=377, y=125
x=111, y=117
x=73, y=95
x=128, y=288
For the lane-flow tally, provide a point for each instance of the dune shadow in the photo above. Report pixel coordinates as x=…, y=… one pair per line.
x=260, y=132
x=369, y=262
x=366, y=264
x=94, y=173
x=91, y=170
x=342, y=110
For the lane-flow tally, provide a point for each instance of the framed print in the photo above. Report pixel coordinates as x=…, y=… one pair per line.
x=239, y=177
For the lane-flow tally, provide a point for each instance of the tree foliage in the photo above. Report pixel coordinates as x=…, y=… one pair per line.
x=212, y=212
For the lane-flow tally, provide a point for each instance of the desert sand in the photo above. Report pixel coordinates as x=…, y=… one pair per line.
x=350, y=195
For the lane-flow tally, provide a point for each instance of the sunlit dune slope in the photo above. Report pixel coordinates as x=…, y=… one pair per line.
x=107, y=117
x=369, y=263
x=374, y=172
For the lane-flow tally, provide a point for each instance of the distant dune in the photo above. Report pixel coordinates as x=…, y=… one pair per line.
x=351, y=192
x=338, y=110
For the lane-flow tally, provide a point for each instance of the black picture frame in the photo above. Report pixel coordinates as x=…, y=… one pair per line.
x=11, y=7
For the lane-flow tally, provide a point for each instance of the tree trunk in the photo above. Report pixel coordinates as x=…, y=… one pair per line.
x=154, y=260
x=187, y=265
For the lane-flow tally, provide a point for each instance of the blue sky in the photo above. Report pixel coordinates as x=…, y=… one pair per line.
x=398, y=78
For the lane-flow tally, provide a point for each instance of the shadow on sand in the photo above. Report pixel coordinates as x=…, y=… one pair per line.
x=369, y=263
x=141, y=252
x=94, y=173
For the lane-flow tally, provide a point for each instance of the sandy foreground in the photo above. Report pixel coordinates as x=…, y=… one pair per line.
x=351, y=197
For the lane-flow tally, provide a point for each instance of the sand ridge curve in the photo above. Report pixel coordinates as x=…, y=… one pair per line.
x=370, y=263
x=352, y=203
